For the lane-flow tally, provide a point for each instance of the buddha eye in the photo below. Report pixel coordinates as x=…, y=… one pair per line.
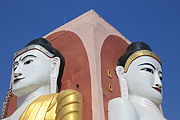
x=27, y=62
x=160, y=76
x=15, y=65
x=148, y=70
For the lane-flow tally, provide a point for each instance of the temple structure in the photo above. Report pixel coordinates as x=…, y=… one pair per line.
x=91, y=48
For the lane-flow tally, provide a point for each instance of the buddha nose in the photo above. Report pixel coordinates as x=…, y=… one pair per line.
x=18, y=71
x=17, y=74
x=157, y=81
x=159, y=85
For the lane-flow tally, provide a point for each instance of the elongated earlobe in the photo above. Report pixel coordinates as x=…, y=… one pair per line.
x=54, y=74
x=119, y=70
x=122, y=82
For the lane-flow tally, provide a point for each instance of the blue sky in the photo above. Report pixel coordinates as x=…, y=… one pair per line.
x=156, y=22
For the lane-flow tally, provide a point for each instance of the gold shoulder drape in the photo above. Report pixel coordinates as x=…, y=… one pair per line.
x=66, y=105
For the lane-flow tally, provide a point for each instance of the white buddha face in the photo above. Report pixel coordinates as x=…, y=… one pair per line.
x=31, y=71
x=144, y=77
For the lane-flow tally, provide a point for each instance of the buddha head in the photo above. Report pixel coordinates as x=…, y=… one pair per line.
x=38, y=64
x=141, y=69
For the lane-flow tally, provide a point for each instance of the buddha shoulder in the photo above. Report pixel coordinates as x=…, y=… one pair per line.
x=54, y=106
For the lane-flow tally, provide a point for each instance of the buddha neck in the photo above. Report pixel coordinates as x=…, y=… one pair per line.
x=28, y=98
x=144, y=102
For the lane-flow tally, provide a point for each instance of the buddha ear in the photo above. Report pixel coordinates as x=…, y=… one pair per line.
x=54, y=74
x=122, y=82
x=55, y=65
x=119, y=70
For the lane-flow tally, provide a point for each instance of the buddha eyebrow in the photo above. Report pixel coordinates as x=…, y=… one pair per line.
x=15, y=63
x=28, y=56
x=147, y=64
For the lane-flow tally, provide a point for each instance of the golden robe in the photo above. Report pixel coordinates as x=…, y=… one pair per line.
x=66, y=105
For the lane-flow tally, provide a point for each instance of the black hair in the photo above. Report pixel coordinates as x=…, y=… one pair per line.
x=47, y=45
x=132, y=48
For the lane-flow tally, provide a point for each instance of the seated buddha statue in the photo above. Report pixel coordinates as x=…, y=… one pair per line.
x=36, y=81
x=140, y=77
